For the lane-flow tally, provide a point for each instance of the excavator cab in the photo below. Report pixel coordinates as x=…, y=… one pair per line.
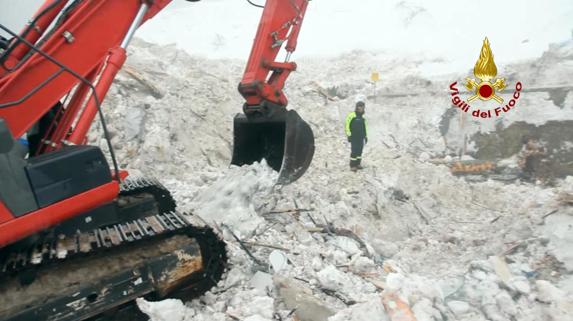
x=284, y=140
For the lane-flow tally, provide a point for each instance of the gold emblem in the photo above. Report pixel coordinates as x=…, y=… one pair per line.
x=485, y=70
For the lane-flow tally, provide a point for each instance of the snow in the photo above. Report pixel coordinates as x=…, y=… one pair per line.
x=369, y=310
x=428, y=235
x=559, y=231
x=166, y=310
x=237, y=192
x=446, y=35
x=219, y=28
x=449, y=248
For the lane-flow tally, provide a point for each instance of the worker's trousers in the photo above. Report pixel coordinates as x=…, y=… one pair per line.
x=356, y=146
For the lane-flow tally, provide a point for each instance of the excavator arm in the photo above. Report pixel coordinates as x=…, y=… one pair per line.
x=78, y=58
x=266, y=130
x=264, y=77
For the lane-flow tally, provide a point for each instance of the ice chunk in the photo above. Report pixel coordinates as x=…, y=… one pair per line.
x=559, y=230
x=295, y=296
x=317, y=263
x=301, y=234
x=520, y=284
x=346, y=244
x=234, y=277
x=362, y=264
x=386, y=249
x=332, y=279
x=166, y=310
x=459, y=308
x=262, y=281
x=424, y=311
x=134, y=119
x=506, y=304
x=372, y=310
x=548, y=292
x=260, y=305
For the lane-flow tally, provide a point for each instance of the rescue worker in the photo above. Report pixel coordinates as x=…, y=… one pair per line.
x=357, y=134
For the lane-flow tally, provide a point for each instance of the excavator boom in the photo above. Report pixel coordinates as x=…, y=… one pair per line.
x=266, y=130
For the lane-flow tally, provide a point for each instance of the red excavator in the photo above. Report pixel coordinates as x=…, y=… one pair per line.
x=78, y=238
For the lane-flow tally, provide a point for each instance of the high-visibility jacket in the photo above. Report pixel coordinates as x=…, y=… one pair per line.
x=351, y=126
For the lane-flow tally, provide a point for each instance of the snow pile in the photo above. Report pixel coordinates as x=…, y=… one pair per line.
x=166, y=310
x=234, y=197
x=447, y=248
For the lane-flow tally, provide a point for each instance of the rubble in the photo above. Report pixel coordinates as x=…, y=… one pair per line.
x=306, y=307
x=404, y=225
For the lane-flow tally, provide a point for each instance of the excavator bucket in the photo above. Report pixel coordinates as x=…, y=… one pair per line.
x=285, y=142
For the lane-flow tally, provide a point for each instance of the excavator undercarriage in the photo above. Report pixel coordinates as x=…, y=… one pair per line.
x=79, y=275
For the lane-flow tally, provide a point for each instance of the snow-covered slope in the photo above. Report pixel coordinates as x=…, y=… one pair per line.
x=449, y=30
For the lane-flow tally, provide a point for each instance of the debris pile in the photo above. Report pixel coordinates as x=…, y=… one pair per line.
x=401, y=238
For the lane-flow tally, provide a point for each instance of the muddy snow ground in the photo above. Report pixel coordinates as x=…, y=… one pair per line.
x=450, y=249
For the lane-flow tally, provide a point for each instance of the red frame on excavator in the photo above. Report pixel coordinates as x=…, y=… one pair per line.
x=264, y=77
x=81, y=55
x=12, y=229
x=88, y=43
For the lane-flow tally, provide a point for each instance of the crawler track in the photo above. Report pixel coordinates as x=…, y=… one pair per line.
x=81, y=275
